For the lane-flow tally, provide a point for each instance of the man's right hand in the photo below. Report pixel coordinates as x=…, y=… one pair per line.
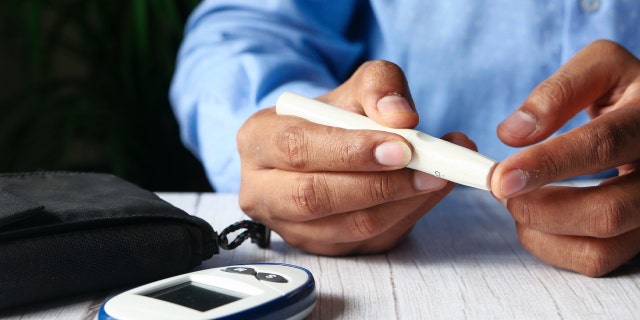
x=333, y=191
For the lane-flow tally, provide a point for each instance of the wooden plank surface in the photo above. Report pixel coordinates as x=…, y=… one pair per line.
x=462, y=261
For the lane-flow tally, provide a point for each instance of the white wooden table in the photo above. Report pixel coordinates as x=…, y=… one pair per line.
x=462, y=261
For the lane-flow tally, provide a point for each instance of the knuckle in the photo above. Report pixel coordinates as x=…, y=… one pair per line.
x=347, y=153
x=609, y=221
x=364, y=225
x=353, y=150
x=525, y=212
x=311, y=196
x=382, y=189
x=609, y=138
x=552, y=168
x=294, y=147
x=594, y=260
x=552, y=164
x=556, y=91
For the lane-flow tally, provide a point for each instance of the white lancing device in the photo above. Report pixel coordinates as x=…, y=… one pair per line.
x=435, y=156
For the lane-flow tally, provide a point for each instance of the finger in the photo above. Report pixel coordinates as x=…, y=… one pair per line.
x=312, y=196
x=299, y=145
x=603, y=211
x=366, y=231
x=378, y=89
x=581, y=82
x=592, y=257
x=606, y=142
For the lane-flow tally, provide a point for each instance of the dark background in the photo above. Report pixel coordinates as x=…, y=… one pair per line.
x=84, y=87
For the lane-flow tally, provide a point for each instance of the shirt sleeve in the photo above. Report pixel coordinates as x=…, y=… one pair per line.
x=239, y=55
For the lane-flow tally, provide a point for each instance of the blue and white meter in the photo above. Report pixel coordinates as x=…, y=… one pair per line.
x=256, y=291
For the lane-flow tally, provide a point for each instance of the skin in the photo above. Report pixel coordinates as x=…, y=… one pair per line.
x=344, y=192
x=339, y=191
x=588, y=230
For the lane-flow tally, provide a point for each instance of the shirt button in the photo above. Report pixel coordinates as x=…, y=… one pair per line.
x=590, y=5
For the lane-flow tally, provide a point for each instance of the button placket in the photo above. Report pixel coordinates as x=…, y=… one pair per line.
x=590, y=6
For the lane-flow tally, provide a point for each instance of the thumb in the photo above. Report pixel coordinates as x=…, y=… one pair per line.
x=587, y=79
x=379, y=90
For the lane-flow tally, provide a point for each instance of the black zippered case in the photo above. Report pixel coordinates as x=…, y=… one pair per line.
x=64, y=233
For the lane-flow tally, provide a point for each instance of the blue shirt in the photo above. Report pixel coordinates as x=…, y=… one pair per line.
x=469, y=63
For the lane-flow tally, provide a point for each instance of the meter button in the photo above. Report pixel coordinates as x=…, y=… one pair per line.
x=241, y=270
x=271, y=277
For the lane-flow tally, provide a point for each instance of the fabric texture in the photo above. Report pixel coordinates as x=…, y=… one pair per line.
x=69, y=233
x=469, y=64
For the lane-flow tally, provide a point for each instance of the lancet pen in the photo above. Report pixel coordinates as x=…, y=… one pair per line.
x=431, y=155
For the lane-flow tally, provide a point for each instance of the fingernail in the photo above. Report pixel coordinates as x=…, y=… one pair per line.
x=424, y=181
x=393, y=154
x=513, y=182
x=520, y=124
x=394, y=104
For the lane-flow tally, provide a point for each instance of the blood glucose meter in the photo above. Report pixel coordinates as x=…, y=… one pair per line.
x=256, y=291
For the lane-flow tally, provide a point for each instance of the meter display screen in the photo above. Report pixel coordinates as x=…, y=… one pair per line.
x=194, y=296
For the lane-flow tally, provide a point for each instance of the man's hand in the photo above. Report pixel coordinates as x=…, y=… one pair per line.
x=588, y=230
x=334, y=191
